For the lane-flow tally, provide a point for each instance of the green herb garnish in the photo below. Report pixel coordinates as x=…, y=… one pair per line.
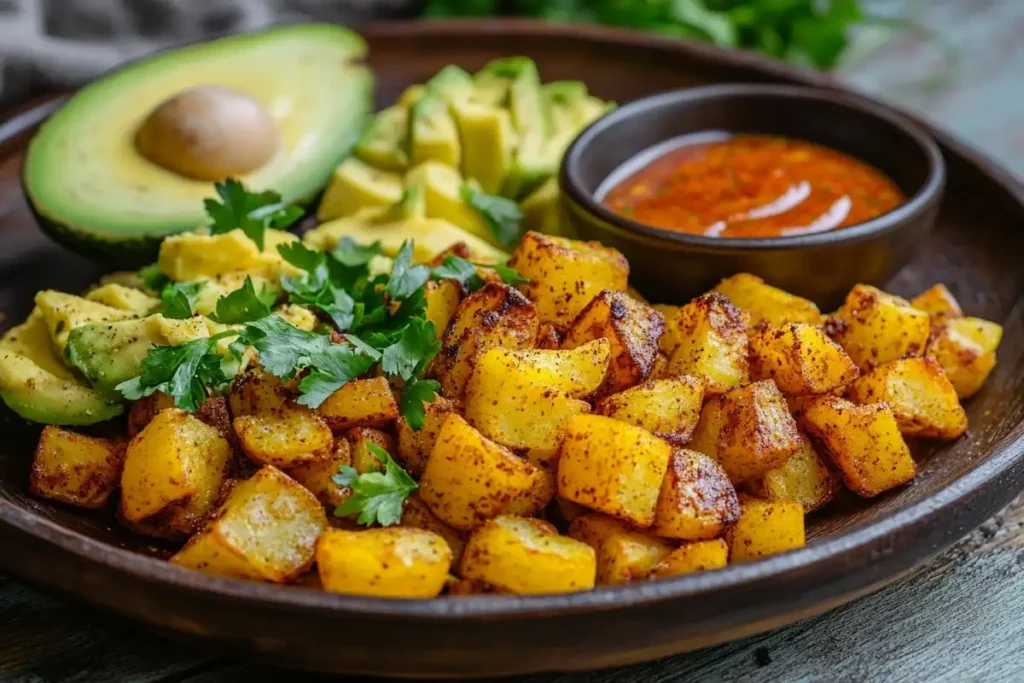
x=377, y=497
x=253, y=212
x=180, y=299
x=187, y=373
x=465, y=273
x=502, y=215
x=244, y=304
x=153, y=277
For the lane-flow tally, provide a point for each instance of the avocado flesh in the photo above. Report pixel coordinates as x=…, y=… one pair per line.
x=412, y=205
x=450, y=84
x=487, y=140
x=385, y=141
x=123, y=298
x=64, y=312
x=432, y=132
x=110, y=353
x=356, y=185
x=94, y=192
x=442, y=192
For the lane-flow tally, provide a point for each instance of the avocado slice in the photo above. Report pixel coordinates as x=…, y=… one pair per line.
x=196, y=255
x=432, y=132
x=442, y=192
x=93, y=191
x=411, y=95
x=450, y=84
x=412, y=205
x=356, y=185
x=124, y=298
x=385, y=141
x=564, y=92
x=110, y=353
x=64, y=312
x=487, y=140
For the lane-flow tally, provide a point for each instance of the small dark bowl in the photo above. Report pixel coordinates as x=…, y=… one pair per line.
x=672, y=266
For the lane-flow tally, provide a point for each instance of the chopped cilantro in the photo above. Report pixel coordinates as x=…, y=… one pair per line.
x=244, y=304
x=284, y=349
x=180, y=299
x=253, y=212
x=153, y=277
x=465, y=272
x=377, y=497
x=415, y=347
x=414, y=394
x=349, y=253
x=186, y=373
x=406, y=277
x=502, y=215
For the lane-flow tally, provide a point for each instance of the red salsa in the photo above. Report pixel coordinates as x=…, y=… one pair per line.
x=754, y=186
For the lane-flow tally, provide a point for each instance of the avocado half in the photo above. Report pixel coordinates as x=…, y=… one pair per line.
x=92, y=191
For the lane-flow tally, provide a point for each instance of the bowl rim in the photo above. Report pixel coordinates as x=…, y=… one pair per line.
x=926, y=195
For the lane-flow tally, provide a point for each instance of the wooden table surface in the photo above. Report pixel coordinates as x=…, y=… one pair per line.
x=956, y=619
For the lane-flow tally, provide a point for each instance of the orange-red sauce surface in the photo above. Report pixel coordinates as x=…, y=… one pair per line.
x=754, y=186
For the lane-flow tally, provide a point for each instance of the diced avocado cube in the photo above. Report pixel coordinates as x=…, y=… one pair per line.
x=110, y=353
x=432, y=132
x=356, y=185
x=410, y=95
x=412, y=205
x=450, y=83
x=563, y=92
x=442, y=189
x=384, y=143
x=487, y=141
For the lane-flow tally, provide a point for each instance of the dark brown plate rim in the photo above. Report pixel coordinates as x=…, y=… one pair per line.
x=1005, y=463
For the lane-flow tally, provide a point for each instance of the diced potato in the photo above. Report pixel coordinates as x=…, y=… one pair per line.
x=697, y=500
x=256, y=392
x=288, y=437
x=632, y=328
x=689, y=558
x=660, y=369
x=527, y=556
x=75, y=469
x=669, y=339
x=459, y=587
x=495, y=315
x=874, y=327
x=921, y=397
x=612, y=467
x=623, y=553
x=669, y=408
x=397, y=562
x=414, y=446
x=767, y=304
x=575, y=372
x=318, y=476
x=266, y=529
x=800, y=358
x=145, y=409
x=534, y=501
x=712, y=343
x=417, y=515
x=966, y=350
x=214, y=412
x=938, y=302
x=863, y=441
x=549, y=337
x=363, y=458
x=470, y=479
x=360, y=403
x=765, y=528
x=804, y=479
x=442, y=301
x=566, y=274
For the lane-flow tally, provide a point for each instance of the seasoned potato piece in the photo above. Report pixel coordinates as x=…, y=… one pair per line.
x=76, y=469
x=804, y=479
x=256, y=392
x=966, y=350
x=360, y=403
x=470, y=479
x=266, y=529
x=612, y=467
x=623, y=553
x=442, y=301
x=863, y=441
x=660, y=368
x=697, y=500
x=287, y=437
x=669, y=339
x=549, y=337
x=938, y=302
x=457, y=587
x=417, y=515
x=398, y=562
x=919, y=394
x=318, y=476
x=495, y=315
x=874, y=327
x=800, y=358
x=363, y=457
x=669, y=408
x=145, y=409
x=566, y=274
x=576, y=372
x=533, y=502
x=767, y=304
x=527, y=556
x=414, y=446
x=712, y=343
x=699, y=556
x=765, y=528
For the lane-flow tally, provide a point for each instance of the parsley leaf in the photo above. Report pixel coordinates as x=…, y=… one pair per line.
x=377, y=497
x=317, y=288
x=153, y=277
x=283, y=348
x=301, y=256
x=414, y=395
x=510, y=276
x=349, y=253
x=180, y=299
x=406, y=277
x=184, y=372
x=244, y=304
x=465, y=272
x=253, y=212
x=502, y=215
x=333, y=367
x=414, y=349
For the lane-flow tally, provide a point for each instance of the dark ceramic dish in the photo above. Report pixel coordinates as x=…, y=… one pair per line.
x=674, y=266
x=856, y=546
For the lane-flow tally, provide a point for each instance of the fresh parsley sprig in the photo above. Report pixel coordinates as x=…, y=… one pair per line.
x=377, y=497
x=186, y=372
x=253, y=212
x=245, y=304
x=179, y=299
x=501, y=214
x=466, y=273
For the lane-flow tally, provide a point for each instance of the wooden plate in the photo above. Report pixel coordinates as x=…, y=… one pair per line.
x=856, y=546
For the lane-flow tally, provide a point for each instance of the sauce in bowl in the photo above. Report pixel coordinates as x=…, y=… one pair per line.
x=753, y=186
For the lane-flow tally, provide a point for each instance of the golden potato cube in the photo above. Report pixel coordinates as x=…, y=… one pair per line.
x=527, y=556
x=549, y=337
x=623, y=553
x=874, y=327
x=765, y=528
x=669, y=339
x=397, y=562
x=533, y=502
x=632, y=328
x=577, y=372
x=417, y=515
x=145, y=409
x=287, y=437
x=689, y=558
x=804, y=479
x=966, y=350
x=461, y=587
x=360, y=403
x=863, y=441
x=318, y=476
x=697, y=500
x=470, y=479
x=256, y=392
x=414, y=447
x=612, y=467
x=76, y=469
x=921, y=397
x=801, y=358
x=767, y=304
x=363, y=458
x=266, y=529
x=495, y=315
x=669, y=408
x=938, y=302
x=442, y=300
x=660, y=369
x=712, y=343
x=566, y=274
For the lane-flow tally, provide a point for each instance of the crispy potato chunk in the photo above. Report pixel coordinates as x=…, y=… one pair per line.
x=697, y=500
x=765, y=528
x=669, y=408
x=287, y=437
x=75, y=469
x=921, y=397
x=669, y=339
x=360, y=403
x=938, y=302
x=549, y=337
x=470, y=479
x=566, y=274
x=318, y=476
x=804, y=479
x=398, y=562
x=577, y=372
x=266, y=529
x=712, y=343
x=863, y=441
x=417, y=515
x=800, y=358
x=767, y=304
x=442, y=300
x=256, y=392
x=528, y=557
x=623, y=553
x=534, y=501
x=414, y=447
x=632, y=328
x=689, y=558
x=363, y=457
x=660, y=368
x=612, y=467
x=145, y=409
x=874, y=327
x=966, y=350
